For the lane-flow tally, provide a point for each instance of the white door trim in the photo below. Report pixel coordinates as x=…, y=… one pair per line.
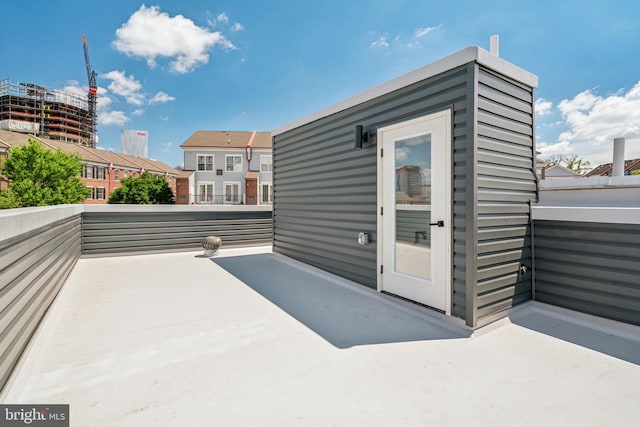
x=445, y=277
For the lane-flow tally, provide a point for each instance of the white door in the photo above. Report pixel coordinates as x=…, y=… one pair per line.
x=414, y=198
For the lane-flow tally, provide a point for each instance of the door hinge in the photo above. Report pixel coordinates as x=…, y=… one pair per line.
x=381, y=269
x=381, y=210
x=381, y=150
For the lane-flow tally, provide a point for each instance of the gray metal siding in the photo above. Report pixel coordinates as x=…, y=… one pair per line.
x=116, y=232
x=410, y=227
x=33, y=267
x=325, y=190
x=589, y=267
x=506, y=185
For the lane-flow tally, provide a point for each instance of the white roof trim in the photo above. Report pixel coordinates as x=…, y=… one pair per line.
x=600, y=214
x=464, y=56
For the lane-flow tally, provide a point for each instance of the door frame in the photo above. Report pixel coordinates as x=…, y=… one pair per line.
x=447, y=274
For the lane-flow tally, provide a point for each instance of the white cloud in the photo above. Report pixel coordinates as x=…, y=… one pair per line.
x=547, y=150
x=74, y=87
x=222, y=21
x=423, y=31
x=404, y=41
x=381, y=42
x=125, y=86
x=167, y=147
x=593, y=122
x=137, y=112
x=402, y=154
x=543, y=107
x=161, y=97
x=222, y=18
x=164, y=118
x=103, y=102
x=150, y=34
x=117, y=118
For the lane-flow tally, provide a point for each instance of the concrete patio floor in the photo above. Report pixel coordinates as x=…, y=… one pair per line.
x=251, y=338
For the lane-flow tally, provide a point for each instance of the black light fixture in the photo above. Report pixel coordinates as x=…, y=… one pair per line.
x=362, y=136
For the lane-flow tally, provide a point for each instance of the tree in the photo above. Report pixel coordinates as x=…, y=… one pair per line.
x=39, y=176
x=577, y=164
x=554, y=160
x=573, y=162
x=146, y=189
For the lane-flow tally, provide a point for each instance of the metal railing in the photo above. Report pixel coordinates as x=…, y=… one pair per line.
x=233, y=199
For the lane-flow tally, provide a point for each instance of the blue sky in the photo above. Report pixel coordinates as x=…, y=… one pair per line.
x=173, y=67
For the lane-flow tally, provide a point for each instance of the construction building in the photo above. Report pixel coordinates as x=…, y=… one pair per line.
x=53, y=114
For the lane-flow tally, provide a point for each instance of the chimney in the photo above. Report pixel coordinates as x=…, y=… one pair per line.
x=495, y=45
x=618, y=157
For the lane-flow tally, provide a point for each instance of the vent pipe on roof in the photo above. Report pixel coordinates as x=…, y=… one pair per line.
x=495, y=45
x=618, y=157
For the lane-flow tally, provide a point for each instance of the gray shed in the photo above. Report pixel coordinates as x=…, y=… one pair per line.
x=420, y=187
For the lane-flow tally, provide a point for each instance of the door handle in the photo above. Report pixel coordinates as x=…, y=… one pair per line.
x=439, y=223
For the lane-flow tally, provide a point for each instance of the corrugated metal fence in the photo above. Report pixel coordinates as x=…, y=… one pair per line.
x=590, y=267
x=33, y=268
x=119, y=232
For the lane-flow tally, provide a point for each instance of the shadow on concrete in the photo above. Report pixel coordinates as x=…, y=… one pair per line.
x=623, y=346
x=340, y=315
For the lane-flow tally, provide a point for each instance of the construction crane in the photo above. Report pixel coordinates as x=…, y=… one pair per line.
x=92, y=95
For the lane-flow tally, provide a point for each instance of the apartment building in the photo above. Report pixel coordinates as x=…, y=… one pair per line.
x=103, y=170
x=227, y=167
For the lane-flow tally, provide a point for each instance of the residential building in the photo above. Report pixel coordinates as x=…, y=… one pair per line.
x=103, y=170
x=630, y=168
x=184, y=182
x=228, y=167
x=559, y=172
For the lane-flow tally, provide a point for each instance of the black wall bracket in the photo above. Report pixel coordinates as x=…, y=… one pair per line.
x=363, y=136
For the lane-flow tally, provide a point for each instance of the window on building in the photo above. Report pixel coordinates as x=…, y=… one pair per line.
x=205, y=162
x=232, y=192
x=266, y=164
x=125, y=174
x=92, y=193
x=266, y=194
x=233, y=163
x=205, y=193
x=88, y=172
x=100, y=173
x=100, y=193
x=116, y=175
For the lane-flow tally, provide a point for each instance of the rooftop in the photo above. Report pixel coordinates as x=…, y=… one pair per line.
x=227, y=139
x=606, y=168
x=179, y=339
x=89, y=154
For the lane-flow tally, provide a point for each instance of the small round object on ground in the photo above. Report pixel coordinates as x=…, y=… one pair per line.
x=211, y=244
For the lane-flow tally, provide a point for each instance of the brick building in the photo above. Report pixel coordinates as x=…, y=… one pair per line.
x=103, y=170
